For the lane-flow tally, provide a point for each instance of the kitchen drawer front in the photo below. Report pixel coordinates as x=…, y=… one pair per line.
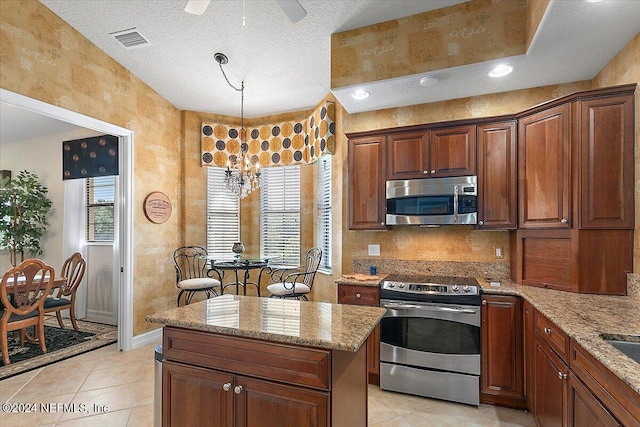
x=616, y=396
x=308, y=367
x=358, y=295
x=552, y=335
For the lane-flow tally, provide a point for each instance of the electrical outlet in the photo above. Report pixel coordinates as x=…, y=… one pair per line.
x=499, y=253
x=374, y=250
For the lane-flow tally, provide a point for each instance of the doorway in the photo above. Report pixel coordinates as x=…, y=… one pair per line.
x=122, y=244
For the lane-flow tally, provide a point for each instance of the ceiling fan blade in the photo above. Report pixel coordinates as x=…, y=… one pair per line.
x=292, y=8
x=197, y=7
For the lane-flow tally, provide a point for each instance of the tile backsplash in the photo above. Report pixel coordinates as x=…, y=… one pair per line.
x=493, y=270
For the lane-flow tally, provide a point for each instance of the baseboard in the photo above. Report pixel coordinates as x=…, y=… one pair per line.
x=98, y=316
x=151, y=337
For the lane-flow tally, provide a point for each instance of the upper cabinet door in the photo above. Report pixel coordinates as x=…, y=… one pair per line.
x=452, y=151
x=408, y=155
x=367, y=204
x=606, y=162
x=544, y=168
x=497, y=184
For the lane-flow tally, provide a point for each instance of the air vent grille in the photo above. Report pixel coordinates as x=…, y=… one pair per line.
x=131, y=38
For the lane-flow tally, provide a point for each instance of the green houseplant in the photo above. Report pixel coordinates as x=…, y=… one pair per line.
x=24, y=207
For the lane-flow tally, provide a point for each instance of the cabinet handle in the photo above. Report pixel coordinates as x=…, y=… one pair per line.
x=226, y=386
x=562, y=376
x=238, y=389
x=564, y=220
x=358, y=296
x=547, y=331
x=484, y=302
x=481, y=222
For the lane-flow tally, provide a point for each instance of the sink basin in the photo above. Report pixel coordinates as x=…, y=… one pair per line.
x=630, y=348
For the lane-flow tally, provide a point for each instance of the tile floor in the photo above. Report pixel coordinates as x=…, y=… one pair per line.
x=115, y=389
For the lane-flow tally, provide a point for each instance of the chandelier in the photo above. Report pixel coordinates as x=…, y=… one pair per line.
x=242, y=176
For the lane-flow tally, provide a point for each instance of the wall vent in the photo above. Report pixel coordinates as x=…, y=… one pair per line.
x=131, y=38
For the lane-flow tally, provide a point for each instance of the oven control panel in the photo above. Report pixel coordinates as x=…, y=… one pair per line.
x=430, y=288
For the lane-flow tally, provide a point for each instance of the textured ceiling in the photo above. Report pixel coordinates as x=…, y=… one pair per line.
x=286, y=67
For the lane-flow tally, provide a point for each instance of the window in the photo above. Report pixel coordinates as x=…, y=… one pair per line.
x=324, y=211
x=100, y=200
x=280, y=214
x=223, y=215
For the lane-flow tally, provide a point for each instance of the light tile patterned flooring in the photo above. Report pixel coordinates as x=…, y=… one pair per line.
x=123, y=383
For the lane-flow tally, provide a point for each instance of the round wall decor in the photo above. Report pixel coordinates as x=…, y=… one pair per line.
x=157, y=207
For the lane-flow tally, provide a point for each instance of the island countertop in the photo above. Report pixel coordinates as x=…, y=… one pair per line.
x=315, y=324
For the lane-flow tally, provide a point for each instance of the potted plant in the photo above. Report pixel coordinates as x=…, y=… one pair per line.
x=24, y=207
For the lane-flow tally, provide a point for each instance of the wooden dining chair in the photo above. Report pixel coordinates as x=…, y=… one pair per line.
x=65, y=296
x=193, y=273
x=22, y=292
x=296, y=284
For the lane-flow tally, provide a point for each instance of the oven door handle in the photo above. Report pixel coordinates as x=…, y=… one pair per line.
x=424, y=307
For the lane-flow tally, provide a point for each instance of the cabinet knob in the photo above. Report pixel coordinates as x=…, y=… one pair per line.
x=547, y=331
x=564, y=220
x=226, y=386
x=382, y=223
x=433, y=171
x=358, y=296
x=481, y=222
x=238, y=389
x=484, y=302
x=425, y=172
x=562, y=376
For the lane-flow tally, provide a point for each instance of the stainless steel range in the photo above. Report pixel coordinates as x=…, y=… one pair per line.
x=430, y=337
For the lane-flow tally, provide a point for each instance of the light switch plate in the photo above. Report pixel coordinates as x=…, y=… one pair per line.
x=374, y=250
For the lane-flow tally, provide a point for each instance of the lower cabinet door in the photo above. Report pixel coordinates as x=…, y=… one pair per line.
x=193, y=396
x=585, y=409
x=550, y=387
x=268, y=404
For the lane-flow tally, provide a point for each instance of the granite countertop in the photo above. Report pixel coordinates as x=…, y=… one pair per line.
x=584, y=318
x=315, y=324
x=356, y=279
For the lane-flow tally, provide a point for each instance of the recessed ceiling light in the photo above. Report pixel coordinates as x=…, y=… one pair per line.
x=500, y=70
x=593, y=1
x=429, y=81
x=359, y=94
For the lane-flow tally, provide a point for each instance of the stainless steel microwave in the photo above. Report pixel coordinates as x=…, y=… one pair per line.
x=433, y=201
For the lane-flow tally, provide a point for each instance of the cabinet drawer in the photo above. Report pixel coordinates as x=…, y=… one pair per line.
x=552, y=335
x=280, y=362
x=358, y=295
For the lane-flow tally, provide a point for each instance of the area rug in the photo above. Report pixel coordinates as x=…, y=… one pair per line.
x=61, y=344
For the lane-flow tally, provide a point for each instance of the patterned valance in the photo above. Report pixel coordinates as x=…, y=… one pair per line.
x=279, y=144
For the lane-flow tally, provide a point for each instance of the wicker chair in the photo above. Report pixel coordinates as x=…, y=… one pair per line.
x=22, y=292
x=73, y=270
x=296, y=284
x=193, y=274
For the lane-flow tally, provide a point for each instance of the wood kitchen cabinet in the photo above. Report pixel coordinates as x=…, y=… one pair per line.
x=367, y=203
x=544, y=175
x=497, y=175
x=528, y=348
x=218, y=380
x=432, y=153
x=365, y=295
x=585, y=409
x=550, y=389
x=501, y=378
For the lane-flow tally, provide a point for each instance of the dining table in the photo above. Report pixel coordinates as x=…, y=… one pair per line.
x=242, y=267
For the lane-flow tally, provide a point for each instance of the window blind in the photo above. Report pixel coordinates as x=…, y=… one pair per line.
x=100, y=201
x=223, y=215
x=324, y=211
x=280, y=214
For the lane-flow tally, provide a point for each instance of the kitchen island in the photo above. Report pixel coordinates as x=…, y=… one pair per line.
x=248, y=361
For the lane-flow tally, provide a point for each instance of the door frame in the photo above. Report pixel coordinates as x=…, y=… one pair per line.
x=124, y=271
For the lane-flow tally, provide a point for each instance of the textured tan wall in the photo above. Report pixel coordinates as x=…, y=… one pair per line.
x=44, y=58
x=467, y=33
x=622, y=69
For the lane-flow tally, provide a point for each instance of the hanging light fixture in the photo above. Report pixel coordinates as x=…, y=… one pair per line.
x=242, y=176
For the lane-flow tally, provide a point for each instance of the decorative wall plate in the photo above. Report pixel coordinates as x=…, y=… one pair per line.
x=157, y=207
